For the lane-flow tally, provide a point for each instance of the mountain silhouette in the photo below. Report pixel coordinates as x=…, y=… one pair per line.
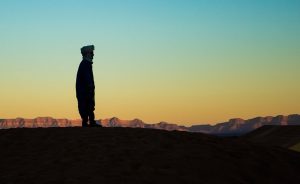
x=236, y=126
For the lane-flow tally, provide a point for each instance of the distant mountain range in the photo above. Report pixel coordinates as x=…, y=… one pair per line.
x=241, y=126
x=233, y=126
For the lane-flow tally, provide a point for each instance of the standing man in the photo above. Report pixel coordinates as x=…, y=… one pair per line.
x=85, y=87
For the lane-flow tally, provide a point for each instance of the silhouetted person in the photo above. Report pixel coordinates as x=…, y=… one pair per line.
x=85, y=87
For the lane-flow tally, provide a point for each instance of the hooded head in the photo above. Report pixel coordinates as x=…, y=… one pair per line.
x=87, y=52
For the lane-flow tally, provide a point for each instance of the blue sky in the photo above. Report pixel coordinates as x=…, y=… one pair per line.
x=184, y=59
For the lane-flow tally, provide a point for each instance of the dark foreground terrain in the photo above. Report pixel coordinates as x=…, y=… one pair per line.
x=134, y=155
x=283, y=136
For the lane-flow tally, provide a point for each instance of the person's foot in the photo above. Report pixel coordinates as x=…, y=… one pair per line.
x=94, y=124
x=85, y=125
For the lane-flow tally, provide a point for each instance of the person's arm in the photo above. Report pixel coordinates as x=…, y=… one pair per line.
x=88, y=75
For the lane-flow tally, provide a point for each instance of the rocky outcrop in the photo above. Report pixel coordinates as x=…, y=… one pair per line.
x=116, y=122
x=137, y=123
x=240, y=126
x=233, y=126
x=37, y=122
x=167, y=126
x=201, y=128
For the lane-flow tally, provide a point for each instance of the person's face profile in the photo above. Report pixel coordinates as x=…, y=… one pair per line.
x=92, y=54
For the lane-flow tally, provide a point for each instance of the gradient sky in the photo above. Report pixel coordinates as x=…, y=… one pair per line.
x=181, y=61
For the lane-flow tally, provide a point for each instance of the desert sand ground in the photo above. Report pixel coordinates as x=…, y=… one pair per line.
x=134, y=155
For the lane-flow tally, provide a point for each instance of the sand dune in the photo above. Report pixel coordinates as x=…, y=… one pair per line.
x=283, y=136
x=136, y=155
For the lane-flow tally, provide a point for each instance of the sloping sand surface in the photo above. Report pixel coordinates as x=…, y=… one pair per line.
x=275, y=135
x=134, y=155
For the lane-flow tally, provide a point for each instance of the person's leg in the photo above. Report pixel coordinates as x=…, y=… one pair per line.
x=84, y=118
x=92, y=116
x=83, y=111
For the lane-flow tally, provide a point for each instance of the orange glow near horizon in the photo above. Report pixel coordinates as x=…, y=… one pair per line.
x=185, y=62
